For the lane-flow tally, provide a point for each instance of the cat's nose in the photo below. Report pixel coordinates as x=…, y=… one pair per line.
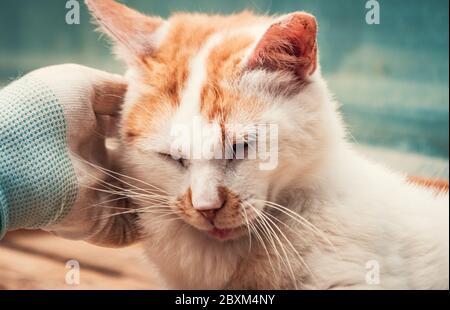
x=209, y=210
x=210, y=215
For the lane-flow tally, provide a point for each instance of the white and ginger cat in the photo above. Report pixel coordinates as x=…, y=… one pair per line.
x=323, y=218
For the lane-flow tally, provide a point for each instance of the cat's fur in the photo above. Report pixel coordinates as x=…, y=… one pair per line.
x=364, y=219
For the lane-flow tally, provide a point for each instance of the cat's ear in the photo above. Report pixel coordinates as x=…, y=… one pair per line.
x=290, y=44
x=136, y=36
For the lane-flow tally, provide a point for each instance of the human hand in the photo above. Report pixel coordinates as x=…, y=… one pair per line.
x=53, y=124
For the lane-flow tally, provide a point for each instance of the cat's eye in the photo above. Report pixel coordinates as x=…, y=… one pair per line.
x=180, y=161
x=240, y=150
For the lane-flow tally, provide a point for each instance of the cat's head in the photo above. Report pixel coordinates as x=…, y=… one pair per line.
x=237, y=84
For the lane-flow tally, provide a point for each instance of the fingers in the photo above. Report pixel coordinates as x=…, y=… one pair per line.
x=109, y=95
x=109, y=89
x=118, y=230
x=99, y=215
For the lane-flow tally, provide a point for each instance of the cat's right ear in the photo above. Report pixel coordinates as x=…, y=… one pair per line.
x=289, y=44
x=135, y=35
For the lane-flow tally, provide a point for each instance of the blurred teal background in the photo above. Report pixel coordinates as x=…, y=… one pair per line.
x=392, y=79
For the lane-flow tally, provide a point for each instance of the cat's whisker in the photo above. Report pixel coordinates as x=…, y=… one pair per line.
x=158, y=207
x=268, y=234
x=161, y=219
x=101, y=204
x=110, y=215
x=106, y=207
x=270, y=237
x=161, y=214
x=284, y=224
x=151, y=199
x=300, y=219
x=125, y=192
x=276, y=271
x=286, y=260
x=248, y=227
x=138, y=193
x=121, y=198
x=141, y=197
x=135, y=211
x=269, y=224
x=168, y=211
x=174, y=213
x=113, y=174
x=155, y=208
x=296, y=217
x=114, y=186
x=107, y=191
x=302, y=261
x=263, y=244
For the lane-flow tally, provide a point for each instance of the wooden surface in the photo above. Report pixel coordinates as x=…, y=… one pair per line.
x=37, y=260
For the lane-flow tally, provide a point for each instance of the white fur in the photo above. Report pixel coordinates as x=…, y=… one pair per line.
x=365, y=211
x=190, y=97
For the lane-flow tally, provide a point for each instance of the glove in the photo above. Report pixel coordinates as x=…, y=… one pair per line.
x=53, y=159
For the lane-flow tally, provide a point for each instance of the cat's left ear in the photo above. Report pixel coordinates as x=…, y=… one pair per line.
x=290, y=44
x=136, y=36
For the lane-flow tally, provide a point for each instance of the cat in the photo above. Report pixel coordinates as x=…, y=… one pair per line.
x=324, y=218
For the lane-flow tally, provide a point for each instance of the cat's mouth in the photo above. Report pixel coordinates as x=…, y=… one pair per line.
x=224, y=234
x=229, y=222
